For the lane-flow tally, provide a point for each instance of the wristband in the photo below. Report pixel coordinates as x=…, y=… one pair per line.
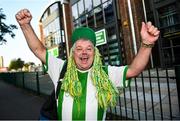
x=147, y=45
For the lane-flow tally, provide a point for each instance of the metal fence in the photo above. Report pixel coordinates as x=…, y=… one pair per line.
x=153, y=95
x=33, y=81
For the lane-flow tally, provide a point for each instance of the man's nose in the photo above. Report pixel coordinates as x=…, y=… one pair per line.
x=84, y=51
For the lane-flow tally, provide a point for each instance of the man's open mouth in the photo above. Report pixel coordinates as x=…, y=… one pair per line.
x=84, y=59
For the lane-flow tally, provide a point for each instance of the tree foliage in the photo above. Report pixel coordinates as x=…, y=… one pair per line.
x=16, y=64
x=5, y=29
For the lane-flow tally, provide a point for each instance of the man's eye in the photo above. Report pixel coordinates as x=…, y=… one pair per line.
x=78, y=49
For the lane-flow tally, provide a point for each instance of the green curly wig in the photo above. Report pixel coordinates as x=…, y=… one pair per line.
x=106, y=91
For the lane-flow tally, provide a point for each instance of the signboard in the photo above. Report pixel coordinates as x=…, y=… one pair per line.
x=101, y=37
x=54, y=51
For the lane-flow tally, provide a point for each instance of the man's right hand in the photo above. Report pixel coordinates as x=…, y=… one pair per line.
x=23, y=17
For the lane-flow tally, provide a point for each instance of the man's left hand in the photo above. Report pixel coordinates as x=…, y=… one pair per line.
x=149, y=33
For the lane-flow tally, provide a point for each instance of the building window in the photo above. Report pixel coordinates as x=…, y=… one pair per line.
x=88, y=5
x=96, y=3
x=169, y=19
x=52, y=33
x=54, y=7
x=82, y=20
x=111, y=33
x=57, y=24
x=104, y=1
x=168, y=57
x=90, y=19
x=76, y=23
x=81, y=7
x=98, y=16
x=75, y=12
x=108, y=11
x=45, y=15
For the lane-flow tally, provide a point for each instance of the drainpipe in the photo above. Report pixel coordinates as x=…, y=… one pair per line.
x=132, y=27
x=145, y=18
x=64, y=2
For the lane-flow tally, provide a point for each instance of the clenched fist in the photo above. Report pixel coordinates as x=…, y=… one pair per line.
x=149, y=33
x=23, y=17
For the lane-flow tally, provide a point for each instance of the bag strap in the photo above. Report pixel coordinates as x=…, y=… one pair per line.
x=61, y=76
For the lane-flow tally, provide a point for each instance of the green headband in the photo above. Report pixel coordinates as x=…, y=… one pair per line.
x=83, y=33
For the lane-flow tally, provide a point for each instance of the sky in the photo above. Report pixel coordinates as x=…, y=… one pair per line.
x=17, y=47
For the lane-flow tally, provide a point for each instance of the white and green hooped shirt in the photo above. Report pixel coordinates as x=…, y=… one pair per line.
x=68, y=108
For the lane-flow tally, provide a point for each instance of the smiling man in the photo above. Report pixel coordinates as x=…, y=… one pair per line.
x=83, y=54
x=83, y=49
x=88, y=87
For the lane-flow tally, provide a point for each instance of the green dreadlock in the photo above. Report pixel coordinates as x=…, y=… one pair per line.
x=106, y=92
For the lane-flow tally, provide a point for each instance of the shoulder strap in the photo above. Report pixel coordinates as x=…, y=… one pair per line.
x=105, y=68
x=63, y=71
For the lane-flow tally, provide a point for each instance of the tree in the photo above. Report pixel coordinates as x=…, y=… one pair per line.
x=16, y=64
x=31, y=63
x=27, y=66
x=5, y=29
x=20, y=63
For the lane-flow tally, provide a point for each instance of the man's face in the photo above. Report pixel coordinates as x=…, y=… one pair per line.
x=83, y=54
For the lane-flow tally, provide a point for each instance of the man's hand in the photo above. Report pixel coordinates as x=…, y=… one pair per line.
x=149, y=33
x=23, y=17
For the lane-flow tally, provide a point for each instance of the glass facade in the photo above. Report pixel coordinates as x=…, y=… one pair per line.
x=53, y=8
x=100, y=14
x=169, y=20
x=53, y=29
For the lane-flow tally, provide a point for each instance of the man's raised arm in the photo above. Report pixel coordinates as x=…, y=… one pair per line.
x=24, y=17
x=149, y=35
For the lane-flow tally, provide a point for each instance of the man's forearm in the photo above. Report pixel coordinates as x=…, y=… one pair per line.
x=139, y=63
x=33, y=42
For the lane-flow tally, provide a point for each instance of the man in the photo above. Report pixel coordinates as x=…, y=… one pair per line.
x=88, y=87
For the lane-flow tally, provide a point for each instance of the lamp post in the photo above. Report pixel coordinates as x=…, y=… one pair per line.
x=145, y=18
x=132, y=26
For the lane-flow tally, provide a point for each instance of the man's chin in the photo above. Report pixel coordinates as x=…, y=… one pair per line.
x=83, y=68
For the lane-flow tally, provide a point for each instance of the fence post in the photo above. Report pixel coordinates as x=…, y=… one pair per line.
x=177, y=73
x=37, y=83
x=23, y=83
x=14, y=78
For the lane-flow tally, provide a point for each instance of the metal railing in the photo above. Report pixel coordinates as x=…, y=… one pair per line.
x=33, y=81
x=153, y=95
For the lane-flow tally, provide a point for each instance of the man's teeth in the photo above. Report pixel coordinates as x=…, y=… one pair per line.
x=84, y=58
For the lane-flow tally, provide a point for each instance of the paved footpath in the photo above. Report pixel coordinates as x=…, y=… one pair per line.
x=18, y=104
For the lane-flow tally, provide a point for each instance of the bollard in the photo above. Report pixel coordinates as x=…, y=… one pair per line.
x=177, y=74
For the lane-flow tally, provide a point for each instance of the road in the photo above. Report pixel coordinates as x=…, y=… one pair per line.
x=18, y=104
